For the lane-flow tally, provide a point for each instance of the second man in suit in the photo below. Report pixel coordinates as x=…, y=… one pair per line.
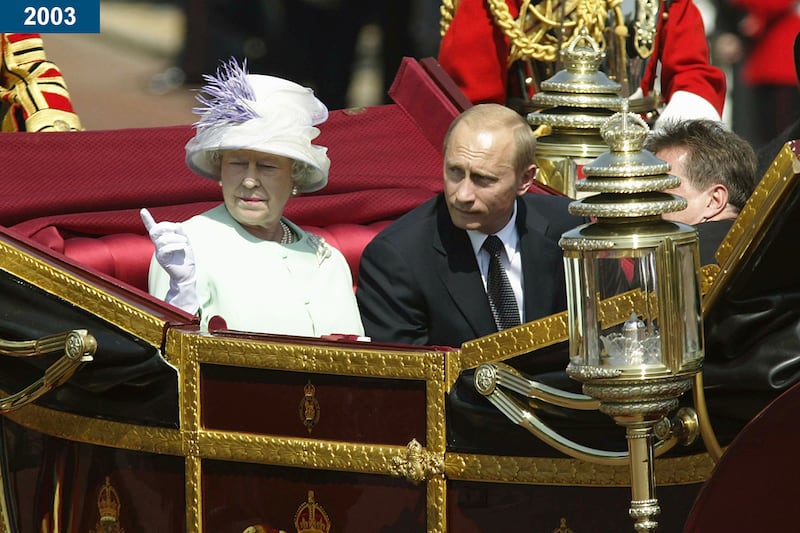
x=423, y=279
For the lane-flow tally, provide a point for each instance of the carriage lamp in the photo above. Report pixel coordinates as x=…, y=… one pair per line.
x=637, y=370
x=572, y=105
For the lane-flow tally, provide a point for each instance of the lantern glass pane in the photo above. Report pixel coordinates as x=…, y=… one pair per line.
x=581, y=308
x=592, y=276
x=637, y=340
x=689, y=302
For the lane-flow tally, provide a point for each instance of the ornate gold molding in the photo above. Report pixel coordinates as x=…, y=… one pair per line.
x=316, y=358
x=435, y=415
x=437, y=505
x=571, y=472
x=295, y=452
x=219, y=445
x=100, y=432
x=194, y=494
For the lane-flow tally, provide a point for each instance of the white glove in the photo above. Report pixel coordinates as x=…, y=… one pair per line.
x=175, y=255
x=684, y=105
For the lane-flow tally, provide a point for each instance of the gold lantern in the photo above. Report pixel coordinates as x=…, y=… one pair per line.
x=573, y=104
x=636, y=371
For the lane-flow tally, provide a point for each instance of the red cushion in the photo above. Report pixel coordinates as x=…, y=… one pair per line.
x=126, y=256
x=350, y=239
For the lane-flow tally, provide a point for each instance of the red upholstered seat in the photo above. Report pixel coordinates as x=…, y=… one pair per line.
x=126, y=256
x=80, y=193
x=350, y=239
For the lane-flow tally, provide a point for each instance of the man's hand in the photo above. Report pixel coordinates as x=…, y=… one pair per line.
x=175, y=255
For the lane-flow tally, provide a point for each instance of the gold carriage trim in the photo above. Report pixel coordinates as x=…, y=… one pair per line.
x=563, y=472
x=348, y=457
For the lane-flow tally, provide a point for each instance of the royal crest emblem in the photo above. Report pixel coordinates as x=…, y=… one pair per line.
x=311, y=517
x=309, y=407
x=108, y=505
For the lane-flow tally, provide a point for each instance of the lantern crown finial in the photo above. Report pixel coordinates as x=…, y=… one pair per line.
x=625, y=131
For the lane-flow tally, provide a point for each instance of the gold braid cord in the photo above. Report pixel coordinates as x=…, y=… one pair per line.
x=533, y=33
x=30, y=82
x=446, y=11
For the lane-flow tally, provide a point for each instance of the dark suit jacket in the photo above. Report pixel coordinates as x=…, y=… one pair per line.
x=419, y=282
x=709, y=237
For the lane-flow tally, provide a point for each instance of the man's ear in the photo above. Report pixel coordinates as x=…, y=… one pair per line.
x=717, y=200
x=527, y=180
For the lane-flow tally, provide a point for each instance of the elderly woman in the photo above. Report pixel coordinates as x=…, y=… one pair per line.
x=243, y=261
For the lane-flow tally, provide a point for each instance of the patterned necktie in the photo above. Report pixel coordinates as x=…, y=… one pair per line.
x=498, y=288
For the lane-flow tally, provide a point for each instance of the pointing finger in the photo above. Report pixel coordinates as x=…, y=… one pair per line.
x=147, y=218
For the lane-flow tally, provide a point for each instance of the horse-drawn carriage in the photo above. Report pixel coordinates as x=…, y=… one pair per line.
x=142, y=422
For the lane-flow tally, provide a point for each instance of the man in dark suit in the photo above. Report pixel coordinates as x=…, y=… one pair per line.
x=717, y=169
x=423, y=279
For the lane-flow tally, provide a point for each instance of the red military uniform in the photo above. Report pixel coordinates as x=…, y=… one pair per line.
x=771, y=26
x=32, y=90
x=769, y=71
x=474, y=52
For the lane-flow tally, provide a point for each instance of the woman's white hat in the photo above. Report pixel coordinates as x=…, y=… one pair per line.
x=261, y=113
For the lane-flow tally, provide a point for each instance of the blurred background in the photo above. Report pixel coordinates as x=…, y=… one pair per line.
x=143, y=67
x=150, y=55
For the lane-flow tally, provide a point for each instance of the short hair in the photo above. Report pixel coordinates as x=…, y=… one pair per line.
x=496, y=117
x=714, y=154
x=302, y=172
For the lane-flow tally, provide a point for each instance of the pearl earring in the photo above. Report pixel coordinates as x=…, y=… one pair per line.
x=294, y=190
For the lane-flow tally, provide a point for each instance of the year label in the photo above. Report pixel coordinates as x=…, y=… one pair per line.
x=43, y=16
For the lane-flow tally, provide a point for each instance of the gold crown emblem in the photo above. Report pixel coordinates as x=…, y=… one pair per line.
x=563, y=528
x=311, y=517
x=108, y=503
x=309, y=407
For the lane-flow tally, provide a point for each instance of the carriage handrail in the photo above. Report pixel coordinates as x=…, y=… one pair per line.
x=78, y=347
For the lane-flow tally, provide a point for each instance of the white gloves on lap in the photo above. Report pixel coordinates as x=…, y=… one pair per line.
x=174, y=254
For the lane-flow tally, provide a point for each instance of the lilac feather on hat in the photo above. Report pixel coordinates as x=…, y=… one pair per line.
x=225, y=97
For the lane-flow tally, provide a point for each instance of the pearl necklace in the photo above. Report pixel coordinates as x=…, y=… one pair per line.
x=288, y=234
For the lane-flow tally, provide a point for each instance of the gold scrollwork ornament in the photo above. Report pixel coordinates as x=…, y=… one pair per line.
x=417, y=465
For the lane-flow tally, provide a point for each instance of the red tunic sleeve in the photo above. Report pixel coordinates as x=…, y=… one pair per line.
x=684, y=58
x=33, y=87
